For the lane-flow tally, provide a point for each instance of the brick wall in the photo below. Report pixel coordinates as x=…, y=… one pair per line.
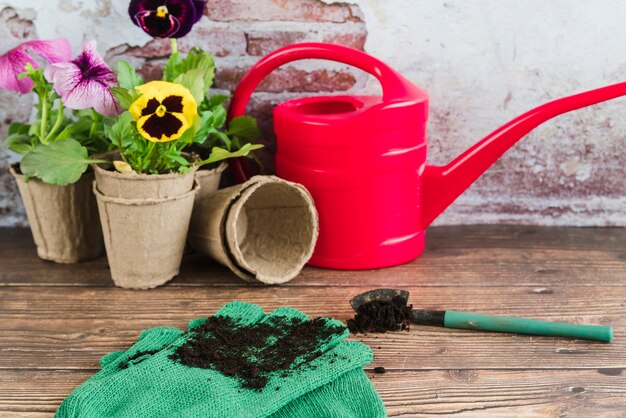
x=482, y=63
x=14, y=29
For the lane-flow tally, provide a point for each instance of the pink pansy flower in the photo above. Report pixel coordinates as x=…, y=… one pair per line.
x=14, y=61
x=84, y=82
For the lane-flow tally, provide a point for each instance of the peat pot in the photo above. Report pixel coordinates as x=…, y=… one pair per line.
x=145, y=219
x=63, y=219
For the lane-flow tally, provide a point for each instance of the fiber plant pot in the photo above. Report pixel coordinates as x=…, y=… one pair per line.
x=264, y=230
x=145, y=219
x=63, y=219
x=142, y=186
x=209, y=180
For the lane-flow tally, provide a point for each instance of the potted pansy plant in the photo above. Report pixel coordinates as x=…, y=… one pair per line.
x=174, y=19
x=167, y=130
x=146, y=193
x=72, y=100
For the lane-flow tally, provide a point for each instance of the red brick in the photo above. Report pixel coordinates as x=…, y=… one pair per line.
x=263, y=42
x=354, y=40
x=219, y=42
x=289, y=79
x=156, y=48
x=279, y=10
x=151, y=70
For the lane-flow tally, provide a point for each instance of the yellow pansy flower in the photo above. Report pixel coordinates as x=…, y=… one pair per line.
x=164, y=111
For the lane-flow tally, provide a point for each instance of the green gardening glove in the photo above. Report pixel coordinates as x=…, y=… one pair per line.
x=146, y=381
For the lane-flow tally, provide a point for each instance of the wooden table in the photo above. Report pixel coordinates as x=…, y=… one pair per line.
x=56, y=321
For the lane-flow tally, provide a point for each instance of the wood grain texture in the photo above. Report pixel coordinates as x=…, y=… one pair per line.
x=475, y=392
x=56, y=329
x=56, y=321
x=455, y=256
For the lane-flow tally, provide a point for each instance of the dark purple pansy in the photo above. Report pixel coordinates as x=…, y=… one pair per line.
x=166, y=18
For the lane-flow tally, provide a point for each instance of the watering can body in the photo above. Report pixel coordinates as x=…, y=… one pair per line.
x=360, y=159
x=363, y=158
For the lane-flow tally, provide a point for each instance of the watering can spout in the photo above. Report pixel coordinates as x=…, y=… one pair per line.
x=443, y=184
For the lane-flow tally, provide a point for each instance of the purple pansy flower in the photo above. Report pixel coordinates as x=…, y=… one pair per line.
x=84, y=82
x=166, y=18
x=14, y=61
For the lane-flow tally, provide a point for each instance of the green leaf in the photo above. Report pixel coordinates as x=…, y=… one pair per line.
x=184, y=169
x=124, y=96
x=192, y=79
x=201, y=61
x=179, y=159
x=225, y=139
x=220, y=117
x=170, y=71
x=219, y=154
x=206, y=127
x=121, y=131
x=17, y=128
x=79, y=128
x=127, y=77
x=20, y=143
x=244, y=127
x=216, y=100
x=33, y=130
x=58, y=163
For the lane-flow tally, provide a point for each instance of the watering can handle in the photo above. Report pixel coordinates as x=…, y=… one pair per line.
x=395, y=87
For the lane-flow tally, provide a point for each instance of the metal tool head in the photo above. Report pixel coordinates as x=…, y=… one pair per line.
x=381, y=295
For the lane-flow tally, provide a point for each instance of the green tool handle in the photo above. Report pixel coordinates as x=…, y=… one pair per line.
x=466, y=320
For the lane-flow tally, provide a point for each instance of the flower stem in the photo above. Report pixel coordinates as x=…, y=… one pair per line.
x=174, y=45
x=94, y=123
x=44, y=117
x=149, y=156
x=57, y=123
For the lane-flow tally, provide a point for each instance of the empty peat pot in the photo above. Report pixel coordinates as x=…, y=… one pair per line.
x=263, y=230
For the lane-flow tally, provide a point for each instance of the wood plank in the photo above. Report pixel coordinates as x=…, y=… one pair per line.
x=466, y=393
x=488, y=393
x=56, y=321
x=455, y=256
x=454, y=236
x=56, y=328
x=526, y=236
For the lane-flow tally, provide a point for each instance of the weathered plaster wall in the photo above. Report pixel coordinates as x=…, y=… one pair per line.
x=482, y=62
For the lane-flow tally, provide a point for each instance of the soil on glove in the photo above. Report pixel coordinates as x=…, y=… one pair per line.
x=136, y=358
x=382, y=316
x=252, y=353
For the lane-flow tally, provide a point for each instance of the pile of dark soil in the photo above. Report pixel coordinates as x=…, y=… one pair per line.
x=382, y=316
x=252, y=353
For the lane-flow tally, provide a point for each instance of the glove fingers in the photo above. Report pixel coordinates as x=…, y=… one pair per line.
x=107, y=359
x=242, y=313
x=149, y=342
x=156, y=339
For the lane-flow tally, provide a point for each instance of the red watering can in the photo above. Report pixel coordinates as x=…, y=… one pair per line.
x=363, y=158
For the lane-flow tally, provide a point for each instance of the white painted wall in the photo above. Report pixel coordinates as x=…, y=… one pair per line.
x=484, y=62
